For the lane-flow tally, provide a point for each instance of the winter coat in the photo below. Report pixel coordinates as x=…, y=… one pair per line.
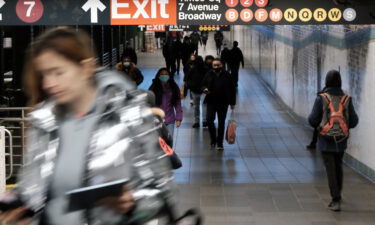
x=195, y=39
x=194, y=78
x=133, y=73
x=236, y=58
x=219, y=37
x=221, y=87
x=173, y=112
x=123, y=144
x=225, y=55
x=171, y=50
x=316, y=117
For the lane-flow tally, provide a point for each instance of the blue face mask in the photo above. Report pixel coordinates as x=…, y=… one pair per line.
x=164, y=78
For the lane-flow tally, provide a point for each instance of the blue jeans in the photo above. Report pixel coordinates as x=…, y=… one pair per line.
x=170, y=128
x=197, y=106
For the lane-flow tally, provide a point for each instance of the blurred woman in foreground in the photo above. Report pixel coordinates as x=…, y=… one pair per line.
x=88, y=127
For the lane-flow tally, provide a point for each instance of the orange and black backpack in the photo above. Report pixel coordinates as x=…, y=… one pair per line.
x=334, y=125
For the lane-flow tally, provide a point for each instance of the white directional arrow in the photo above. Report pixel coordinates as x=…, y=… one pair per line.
x=94, y=5
x=2, y=3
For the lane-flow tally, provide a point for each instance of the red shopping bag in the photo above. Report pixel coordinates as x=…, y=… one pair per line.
x=230, y=135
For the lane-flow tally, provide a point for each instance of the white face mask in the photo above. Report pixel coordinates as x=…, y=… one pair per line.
x=126, y=64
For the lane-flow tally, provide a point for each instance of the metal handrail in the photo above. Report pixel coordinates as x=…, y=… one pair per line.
x=21, y=120
x=10, y=154
x=15, y=108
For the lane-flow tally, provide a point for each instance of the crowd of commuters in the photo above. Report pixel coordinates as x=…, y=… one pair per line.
x=90, y=126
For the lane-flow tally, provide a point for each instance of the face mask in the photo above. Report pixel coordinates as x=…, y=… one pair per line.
x=164, y=78
x=126, y=64
x=217, y=70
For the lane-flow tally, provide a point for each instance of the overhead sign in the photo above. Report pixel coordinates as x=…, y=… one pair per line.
x=143, y=12
x=180, y=28
x=155, y=28
x=265, y=12
x=183, y=12
x=94, y=6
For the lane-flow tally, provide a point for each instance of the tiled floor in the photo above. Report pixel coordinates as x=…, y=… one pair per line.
x=267, y=177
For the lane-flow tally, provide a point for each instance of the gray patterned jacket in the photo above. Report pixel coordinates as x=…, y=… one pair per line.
x=123, y=145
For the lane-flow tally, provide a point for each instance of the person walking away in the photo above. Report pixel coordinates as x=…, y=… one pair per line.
x=220, y=91
x=130, y=70
x=314, y=140
x=195, y=41
x=218, y=37
x=186, y=50
x=167, y=96
x=204, y=35
x=194, y=79
x=334, y=114
x=170, y=54
x=225, y=56
x=79, y=136
x=235, y=61
x=178, y=46
x=130, y=52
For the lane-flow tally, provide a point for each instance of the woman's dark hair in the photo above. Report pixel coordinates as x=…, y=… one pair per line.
x=157, y=88
x=333, y=79
x=209, y=57
x=73, y=45
x=199, y=62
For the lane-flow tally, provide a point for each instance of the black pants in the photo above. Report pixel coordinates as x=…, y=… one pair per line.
x=333, y=164
x=196, y=47
x=221, y=111
x=315, y=137
x=171, y=65
x=218, y=48
x=234, y=70
x=178, y=62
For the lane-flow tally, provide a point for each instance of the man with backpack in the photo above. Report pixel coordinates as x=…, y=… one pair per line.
x=333, y=113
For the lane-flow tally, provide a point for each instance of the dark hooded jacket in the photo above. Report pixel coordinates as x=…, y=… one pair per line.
x=195, y=76
x=316, y=117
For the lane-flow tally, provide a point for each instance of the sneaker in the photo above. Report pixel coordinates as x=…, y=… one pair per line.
x=205, y=124
x=220, y=148
x=311, y=146
x=196, y=125
x=334, y=206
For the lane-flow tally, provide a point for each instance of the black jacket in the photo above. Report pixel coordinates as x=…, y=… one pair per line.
x=236, y=58
x=194, y=78
x=135, y=75
x=221, y=87
x=316, y=117
x=218, y=37
x=171, y=49
x=225, y=55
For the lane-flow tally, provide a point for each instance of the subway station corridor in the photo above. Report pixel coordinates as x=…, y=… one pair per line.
x=267, y=177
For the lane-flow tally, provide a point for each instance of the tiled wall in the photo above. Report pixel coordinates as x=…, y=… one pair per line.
x=294, y=60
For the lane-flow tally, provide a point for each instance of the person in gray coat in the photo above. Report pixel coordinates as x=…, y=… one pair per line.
x=333, y=150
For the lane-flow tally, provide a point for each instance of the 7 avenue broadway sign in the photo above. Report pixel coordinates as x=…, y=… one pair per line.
x=183, y=12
